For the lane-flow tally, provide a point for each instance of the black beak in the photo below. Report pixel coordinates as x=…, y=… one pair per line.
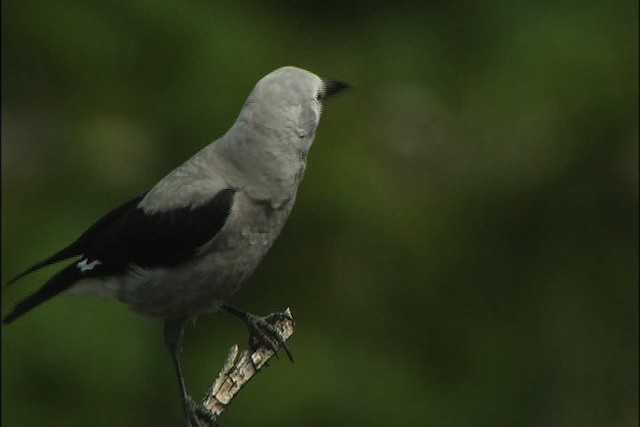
x=333, y=87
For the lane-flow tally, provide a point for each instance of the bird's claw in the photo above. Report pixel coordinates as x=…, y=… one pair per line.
x=263, y=332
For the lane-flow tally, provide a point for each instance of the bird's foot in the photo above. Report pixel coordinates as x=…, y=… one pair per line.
x=198, y=415
x=263, y=332
x=262, y=329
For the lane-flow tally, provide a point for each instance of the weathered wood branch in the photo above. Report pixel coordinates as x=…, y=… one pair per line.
x=238, y=370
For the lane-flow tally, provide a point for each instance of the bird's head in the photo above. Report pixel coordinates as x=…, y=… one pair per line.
x=288, y=102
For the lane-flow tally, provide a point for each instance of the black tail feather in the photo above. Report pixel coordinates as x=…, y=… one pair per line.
x=68, y=252
x=56, y=284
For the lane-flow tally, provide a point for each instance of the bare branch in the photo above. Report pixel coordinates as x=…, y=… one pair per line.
x=237, y=371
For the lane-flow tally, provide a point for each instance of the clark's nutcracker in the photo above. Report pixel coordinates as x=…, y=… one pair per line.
x=185, y=246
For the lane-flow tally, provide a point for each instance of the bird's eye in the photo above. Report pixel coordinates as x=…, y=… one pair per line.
x=320, y=96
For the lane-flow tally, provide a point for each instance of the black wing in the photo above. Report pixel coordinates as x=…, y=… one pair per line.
x=76, y=248
x=128, y=236
x=161, y=239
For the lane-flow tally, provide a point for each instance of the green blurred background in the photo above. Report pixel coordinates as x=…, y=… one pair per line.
x=464, y=247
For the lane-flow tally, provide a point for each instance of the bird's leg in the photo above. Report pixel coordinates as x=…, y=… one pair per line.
x=194, y=413
x=262, y=330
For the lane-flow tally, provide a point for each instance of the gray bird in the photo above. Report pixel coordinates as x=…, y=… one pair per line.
x=185, y=247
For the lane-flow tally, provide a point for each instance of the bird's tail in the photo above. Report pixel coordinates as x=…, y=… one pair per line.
x=68, y=252
x=56, y=284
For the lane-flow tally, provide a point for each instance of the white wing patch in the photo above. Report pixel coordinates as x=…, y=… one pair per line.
x=84, y=265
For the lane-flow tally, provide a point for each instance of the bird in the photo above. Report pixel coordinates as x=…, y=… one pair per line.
x=185, y=246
